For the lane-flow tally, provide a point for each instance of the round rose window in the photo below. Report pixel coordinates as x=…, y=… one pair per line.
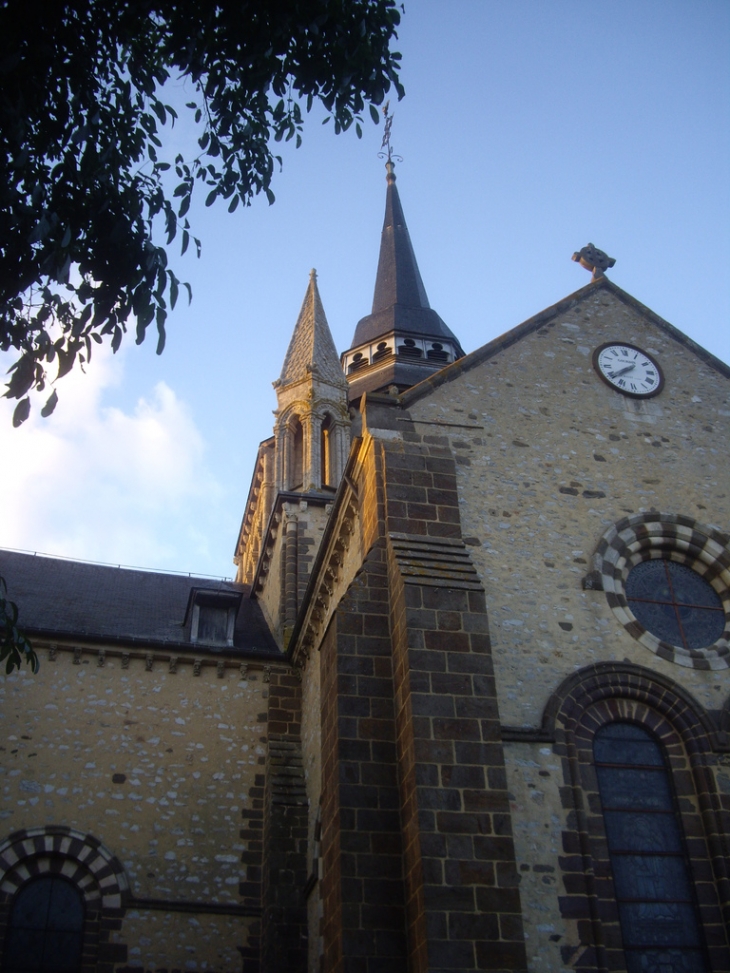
x=675, y=604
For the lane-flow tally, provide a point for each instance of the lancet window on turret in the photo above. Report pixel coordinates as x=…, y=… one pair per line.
x=327, y=452
x=296, y=454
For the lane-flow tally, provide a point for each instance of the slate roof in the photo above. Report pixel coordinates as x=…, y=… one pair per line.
x=400, y=301
x=311, y=347
x=66, y=599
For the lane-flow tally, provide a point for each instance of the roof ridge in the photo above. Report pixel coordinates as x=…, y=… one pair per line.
x=510, y=337
x=121, y=567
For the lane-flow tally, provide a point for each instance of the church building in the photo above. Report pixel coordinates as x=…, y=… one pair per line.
x=466, y=705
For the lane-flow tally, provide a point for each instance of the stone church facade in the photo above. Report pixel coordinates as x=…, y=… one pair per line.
x=466, y=705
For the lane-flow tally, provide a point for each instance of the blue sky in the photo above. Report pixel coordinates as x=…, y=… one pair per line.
x=529, y=128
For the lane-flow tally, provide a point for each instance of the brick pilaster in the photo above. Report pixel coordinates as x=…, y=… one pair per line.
x=463, y=904
x=284, y=914
x=362, y=888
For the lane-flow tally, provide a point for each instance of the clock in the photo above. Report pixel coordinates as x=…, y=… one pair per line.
x=628, y=369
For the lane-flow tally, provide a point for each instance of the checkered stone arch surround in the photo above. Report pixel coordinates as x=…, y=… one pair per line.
x=676, y=538
x=84, y=861
x=79, y=857
x=585, y=701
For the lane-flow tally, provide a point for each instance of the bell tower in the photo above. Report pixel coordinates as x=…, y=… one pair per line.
x=403, y=340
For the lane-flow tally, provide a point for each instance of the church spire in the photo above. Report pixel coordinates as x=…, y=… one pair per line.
x=398, y=280
x=403, y=340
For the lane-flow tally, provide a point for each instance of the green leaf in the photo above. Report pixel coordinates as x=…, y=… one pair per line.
x=161, y=315
x=22, y=411
x=66, y=359
x=51, y=403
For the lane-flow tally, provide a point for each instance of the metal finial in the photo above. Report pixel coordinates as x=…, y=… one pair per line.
x=386, y=149
x=594, y=260
x=313, y=274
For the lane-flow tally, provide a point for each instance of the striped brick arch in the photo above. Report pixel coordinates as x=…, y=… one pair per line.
x=58, y=850
x=673, y=537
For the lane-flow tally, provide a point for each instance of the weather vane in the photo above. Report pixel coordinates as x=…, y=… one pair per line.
x=386, y=149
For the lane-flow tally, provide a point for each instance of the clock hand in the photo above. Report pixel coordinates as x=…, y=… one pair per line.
x=622, y=371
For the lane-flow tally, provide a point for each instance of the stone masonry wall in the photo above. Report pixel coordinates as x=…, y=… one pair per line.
x=548, y=458
x=157, y=765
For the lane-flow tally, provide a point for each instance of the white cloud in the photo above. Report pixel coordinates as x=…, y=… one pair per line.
x=97, y=482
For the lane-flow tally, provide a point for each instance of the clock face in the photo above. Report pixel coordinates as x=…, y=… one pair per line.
x=628, y=369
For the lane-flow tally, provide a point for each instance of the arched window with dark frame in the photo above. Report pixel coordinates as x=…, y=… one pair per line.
x=45, y=930
x=657, y=910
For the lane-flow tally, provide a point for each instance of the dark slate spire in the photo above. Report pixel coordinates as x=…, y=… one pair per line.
x=403, y=340
x=400, y=302
x=399, y=280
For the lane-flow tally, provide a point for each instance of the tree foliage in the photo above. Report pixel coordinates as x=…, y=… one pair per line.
x=91, y=195
x=14, y=646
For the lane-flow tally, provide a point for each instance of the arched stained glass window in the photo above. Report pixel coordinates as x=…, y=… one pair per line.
x=657, y=911
x=45, y=928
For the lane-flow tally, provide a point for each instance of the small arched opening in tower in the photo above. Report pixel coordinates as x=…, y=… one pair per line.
x=296, y=440
x=327, y=447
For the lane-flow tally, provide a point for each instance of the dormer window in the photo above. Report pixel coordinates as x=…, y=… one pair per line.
x=212, y=616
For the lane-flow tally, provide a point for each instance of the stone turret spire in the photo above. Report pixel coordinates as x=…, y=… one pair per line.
x=312, y=422
x=403, y=340
x=311, y=347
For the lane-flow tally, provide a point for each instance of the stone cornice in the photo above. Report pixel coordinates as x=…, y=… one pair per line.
x=170, y=654
x=252, y=500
